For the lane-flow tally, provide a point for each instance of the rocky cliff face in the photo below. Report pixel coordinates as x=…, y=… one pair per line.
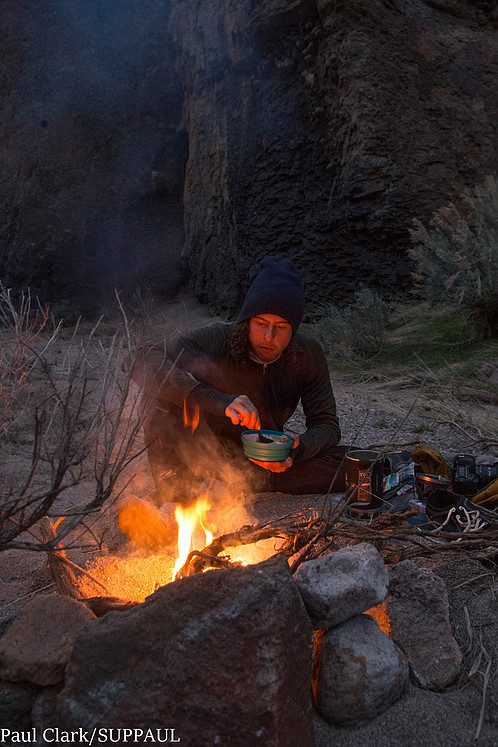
x=91, y=149
x=312, y=129
x=319, y=128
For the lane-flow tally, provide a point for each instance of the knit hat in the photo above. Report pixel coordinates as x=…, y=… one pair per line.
x=276, y=289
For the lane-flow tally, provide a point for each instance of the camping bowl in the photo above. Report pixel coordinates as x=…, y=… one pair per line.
x=273, y=452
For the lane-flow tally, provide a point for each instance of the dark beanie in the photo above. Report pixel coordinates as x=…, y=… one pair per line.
x=276, y=289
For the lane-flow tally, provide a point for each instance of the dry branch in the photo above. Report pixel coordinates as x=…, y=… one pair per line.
x=60, y=566
x=64, y=578
x=197, y=561
x=310, y=537
x=85, y=424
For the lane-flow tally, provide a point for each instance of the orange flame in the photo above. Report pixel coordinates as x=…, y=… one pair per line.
x=381, y=615
x=188, y=419
x=189, y=521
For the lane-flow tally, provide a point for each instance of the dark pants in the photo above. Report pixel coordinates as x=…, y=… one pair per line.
x=321, y=474
x=178, y=456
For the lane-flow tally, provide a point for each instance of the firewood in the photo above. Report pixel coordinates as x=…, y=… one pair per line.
x=307, y=537
x=61, y=568
x=196, y=562
x=65, y=580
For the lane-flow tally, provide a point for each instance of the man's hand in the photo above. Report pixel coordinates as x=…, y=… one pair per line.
x=241, y=411
x=278, y=466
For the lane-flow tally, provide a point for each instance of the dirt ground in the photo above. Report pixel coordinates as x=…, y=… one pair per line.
x=390, y=412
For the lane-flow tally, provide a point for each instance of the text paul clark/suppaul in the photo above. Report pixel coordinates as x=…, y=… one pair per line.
x=99, y=735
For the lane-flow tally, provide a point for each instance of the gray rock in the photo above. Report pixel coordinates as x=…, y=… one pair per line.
x=358, y=673
x=43, y=713
x=224, y=657
x=343, y=584
x=420, y=625
x=16, y=702
x=36, y=647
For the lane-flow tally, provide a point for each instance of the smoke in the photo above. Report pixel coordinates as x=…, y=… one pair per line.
x=147, y=560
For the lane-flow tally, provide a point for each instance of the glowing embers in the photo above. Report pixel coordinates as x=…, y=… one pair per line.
x=129, y=578
x=138, y=574
x=381, y=616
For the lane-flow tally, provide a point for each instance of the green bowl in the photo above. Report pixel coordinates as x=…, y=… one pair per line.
x=266, y=452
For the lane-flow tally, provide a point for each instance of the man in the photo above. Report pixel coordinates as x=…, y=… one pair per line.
x=206, y=387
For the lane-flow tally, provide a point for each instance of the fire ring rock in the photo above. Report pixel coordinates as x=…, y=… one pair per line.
x=224, y=657
x=418, y=610
x=16, y=702
x=343, y=584
x=358, y=673
x=37, y=646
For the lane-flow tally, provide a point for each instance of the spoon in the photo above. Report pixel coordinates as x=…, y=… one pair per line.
x=263, y=439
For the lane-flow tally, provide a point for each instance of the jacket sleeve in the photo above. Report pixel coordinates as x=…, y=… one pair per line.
x=175, y=370
x=318, y=401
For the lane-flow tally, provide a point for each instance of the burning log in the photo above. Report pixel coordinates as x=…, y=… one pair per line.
x=307, y=537
x=198, y=561
x=60, y=566
x=297, y=530
x=67, y=582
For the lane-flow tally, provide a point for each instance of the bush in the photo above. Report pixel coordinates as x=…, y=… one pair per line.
x=357, y=332
x=67, y=415
x=457, y=258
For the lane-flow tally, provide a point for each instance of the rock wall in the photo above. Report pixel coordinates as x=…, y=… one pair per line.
x=92, y=150
x=137, y=136
x=319, y=128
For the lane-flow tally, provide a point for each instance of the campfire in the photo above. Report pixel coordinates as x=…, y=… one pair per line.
x=216, y=530
x=201, y=543
x=153, y=560
x=331, y=578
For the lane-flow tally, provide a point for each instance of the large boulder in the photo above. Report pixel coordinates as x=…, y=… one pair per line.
x=37, y=646
x=418, y=610
x=358, y=672
x=16, y=702
x=43, y=713
x=224, y=657
x=343, y=584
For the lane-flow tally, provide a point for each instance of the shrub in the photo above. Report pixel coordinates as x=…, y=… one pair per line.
x=67, y=415
x=21, y=327
x=457, y=258
x=356, y=332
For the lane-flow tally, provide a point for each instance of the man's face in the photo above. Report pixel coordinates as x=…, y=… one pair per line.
x=269, y=335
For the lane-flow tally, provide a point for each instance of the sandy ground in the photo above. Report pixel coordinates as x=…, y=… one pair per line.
x=371, y=413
